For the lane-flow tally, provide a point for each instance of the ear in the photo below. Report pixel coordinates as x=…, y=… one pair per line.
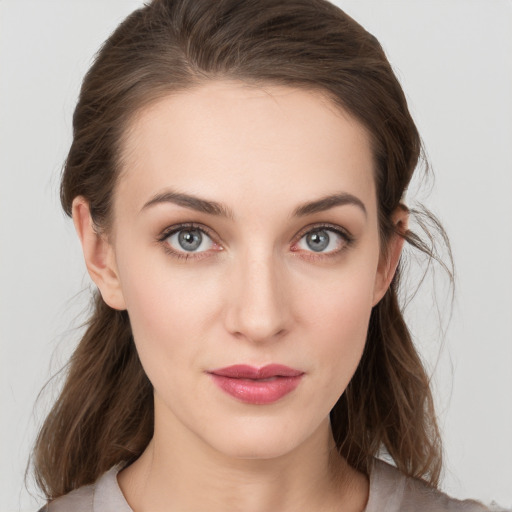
x=390, y=256
x=98, y=254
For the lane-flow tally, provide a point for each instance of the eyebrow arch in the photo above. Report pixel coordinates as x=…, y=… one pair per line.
x=328, y=202
x=218, y=209
x=191, y=202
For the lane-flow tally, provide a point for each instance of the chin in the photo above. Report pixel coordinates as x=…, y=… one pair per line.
x=254, y=439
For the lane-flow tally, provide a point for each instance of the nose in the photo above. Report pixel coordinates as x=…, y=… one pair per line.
x=258, y=305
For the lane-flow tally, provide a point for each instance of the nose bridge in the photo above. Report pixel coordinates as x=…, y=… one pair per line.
x=258, y=310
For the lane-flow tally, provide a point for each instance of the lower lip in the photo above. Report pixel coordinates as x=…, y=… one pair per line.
x=257, y=391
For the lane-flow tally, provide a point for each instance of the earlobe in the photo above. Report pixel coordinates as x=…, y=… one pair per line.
x=98, y=255
x=391, y=256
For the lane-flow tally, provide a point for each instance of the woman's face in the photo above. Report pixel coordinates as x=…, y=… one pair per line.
x=245, y=233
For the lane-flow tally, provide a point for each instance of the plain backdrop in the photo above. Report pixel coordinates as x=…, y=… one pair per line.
x=454, y=59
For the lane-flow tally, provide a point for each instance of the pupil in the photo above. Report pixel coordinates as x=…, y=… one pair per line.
x=318, y=240
x=190, y=240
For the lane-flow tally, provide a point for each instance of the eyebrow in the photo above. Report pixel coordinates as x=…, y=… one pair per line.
x=328, y=202
x=220, y=210
x=191, y=202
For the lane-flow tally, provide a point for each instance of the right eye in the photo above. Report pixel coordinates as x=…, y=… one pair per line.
x=189, y=240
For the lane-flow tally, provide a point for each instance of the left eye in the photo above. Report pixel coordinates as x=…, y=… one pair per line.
x=322, y=240
x=190, y=240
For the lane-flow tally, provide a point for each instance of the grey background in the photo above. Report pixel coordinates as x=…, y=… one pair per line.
x=453, y=58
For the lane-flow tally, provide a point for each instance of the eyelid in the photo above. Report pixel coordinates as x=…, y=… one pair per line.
x=327, y=226
x=170, y=230
x=342, y=232
x=185, y=255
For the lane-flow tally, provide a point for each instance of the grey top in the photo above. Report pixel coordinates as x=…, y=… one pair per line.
x=390, y=491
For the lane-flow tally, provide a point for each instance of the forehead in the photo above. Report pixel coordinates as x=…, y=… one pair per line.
x=239, y=143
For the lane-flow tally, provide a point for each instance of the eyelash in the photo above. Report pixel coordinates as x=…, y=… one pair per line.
x=347, y=238
x=183, y=227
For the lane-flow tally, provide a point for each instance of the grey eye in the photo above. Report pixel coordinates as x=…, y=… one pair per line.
x=322, y=240
x=318, y=240
x=190, y=240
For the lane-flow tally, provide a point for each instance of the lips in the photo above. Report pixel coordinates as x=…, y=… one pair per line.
x=257, y=385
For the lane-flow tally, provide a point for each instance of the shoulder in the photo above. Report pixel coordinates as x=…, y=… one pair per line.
x=79, y=500
x=391, y=491
x=102, y=496
x=417, y=493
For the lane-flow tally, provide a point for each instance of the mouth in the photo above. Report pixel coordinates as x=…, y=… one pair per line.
x=257, y=386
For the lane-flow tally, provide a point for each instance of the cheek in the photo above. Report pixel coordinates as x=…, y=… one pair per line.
x=166, y=310
x=339, y=314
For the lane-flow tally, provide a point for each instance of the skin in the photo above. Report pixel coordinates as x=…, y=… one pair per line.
x=255, y=292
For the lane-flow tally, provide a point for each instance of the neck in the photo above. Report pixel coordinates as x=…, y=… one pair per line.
x=174, y=473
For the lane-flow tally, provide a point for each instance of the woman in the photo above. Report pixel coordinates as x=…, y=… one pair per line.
x=236, y=178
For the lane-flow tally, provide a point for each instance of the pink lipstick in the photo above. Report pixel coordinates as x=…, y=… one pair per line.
x=257, y=385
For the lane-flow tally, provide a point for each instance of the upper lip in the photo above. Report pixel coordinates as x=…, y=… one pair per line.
x=245, y=371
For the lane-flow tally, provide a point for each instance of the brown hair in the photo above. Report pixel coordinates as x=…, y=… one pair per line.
x=104, y=414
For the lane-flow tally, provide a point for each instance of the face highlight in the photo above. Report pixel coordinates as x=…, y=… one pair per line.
x=245, y=233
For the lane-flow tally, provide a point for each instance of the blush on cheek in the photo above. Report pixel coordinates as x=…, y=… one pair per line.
x=344, y=320
x=165, y=313
x=346, y=306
